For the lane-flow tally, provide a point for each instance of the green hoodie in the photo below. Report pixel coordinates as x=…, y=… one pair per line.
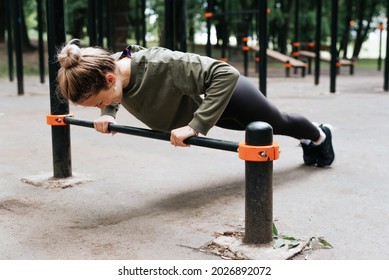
x=170, y=89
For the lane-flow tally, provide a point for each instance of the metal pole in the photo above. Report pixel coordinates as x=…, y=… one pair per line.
x=259, y=193
x=169, y=25
x=380, y=27
x=18, y=6
x=92, y=23
x=183, y=15
x=209, y=46
x=160, y=135
x=60, y=134
x=10, y=45
x=334, y=52
x=318, y=41
x=40, y=42
x=262, y=45
x=386, y=66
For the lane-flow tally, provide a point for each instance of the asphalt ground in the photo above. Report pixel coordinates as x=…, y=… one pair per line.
x=145, y=199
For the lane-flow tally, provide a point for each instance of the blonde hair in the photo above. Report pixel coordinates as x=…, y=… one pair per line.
x=82, y=72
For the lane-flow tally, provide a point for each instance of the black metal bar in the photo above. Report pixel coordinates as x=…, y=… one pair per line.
x=318, y=40
x=10, y=45
x=259, y=190
x=262, y=46
x=160, y=135
x=60, y=134
x=386, y=64
x=169, y=25
x=183, y=16
x=379, y=62
x=18, y=6
x=40, y=42
x=92, y=29
x=208, y=21
x=334, y=52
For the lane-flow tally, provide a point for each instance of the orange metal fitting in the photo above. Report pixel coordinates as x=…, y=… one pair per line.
x=208, y=15
x=296, y=44
x=246, y=48
x=381, y=26
x=295, y=54
x=224, y=59
x=57, y=120
x=311, y=44
x=259, y=153
x=338, y=64
x=257, y=59
x=268, y=11
x=245, y=39
x=288, y=65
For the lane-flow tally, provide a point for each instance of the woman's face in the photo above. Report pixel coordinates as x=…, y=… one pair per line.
x=103, y=98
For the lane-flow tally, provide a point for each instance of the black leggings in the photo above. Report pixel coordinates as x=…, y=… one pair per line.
x=248, y=104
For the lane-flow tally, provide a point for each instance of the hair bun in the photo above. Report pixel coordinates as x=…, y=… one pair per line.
x=70, y=55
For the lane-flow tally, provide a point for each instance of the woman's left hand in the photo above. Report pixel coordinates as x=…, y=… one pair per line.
x=178, y=135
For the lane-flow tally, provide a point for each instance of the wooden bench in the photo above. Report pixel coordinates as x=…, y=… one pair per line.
x=340, y=63
x=289, y=62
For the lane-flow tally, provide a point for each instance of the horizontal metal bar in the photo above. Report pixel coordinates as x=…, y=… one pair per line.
x=159, y=135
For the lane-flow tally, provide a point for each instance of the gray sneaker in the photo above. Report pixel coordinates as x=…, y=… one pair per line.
x=326, y=154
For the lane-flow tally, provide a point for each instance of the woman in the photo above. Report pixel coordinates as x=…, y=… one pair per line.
x=183, y=93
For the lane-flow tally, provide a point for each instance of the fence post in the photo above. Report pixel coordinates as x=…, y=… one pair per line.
x=259, y=184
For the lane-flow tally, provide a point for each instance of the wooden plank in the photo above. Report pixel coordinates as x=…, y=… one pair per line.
x=282, y=57
x=309, y=54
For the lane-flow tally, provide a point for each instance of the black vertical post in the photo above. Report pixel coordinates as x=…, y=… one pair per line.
x=10, y=45
x=60, y=134
x=18, y=41
x=259, y=188
x=40, y=42
x=334, y=52
x=143, y=4
x=208, y=19
x=386, y=66
x=169, y=24
x=108, y=22
x=224, y=30
x=296, y=43
x=92, y=23
x=380, y=27
x=183, y=15
x=318, y=41
x=99, y=18
x=262, y=29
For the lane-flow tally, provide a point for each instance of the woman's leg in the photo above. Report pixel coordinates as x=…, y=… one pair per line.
x=248, y=104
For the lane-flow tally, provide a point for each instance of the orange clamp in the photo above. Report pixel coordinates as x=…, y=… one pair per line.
x=246, y=48
x=245, y=39
x=225, y=59
x=259, y=153
x=208, y=15
x=288, y=65
x=57, y=120
x=296, y=44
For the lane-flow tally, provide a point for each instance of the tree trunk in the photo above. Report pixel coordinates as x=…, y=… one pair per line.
x=346, y=34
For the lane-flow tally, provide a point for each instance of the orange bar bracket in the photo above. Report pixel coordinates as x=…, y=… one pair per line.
x=246, y=48
x=259, y=153
x=57, y=120
x=208, y=15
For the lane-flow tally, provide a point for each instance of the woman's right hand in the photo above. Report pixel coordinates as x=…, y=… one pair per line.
x=101, y=123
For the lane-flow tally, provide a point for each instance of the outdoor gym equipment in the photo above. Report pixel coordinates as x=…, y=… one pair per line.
x=258, y=151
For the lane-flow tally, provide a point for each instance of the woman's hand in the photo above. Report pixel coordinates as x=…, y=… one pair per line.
x=178, y=135
x=101, y=123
